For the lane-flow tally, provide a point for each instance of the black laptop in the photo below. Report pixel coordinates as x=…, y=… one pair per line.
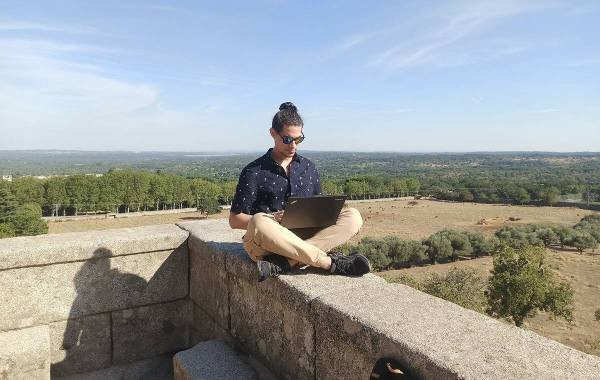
x=315, y=211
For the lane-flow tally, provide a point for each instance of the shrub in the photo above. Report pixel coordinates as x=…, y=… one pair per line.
x=6, y=231
x=548, y=236
x=582, y=240
x=522, y=283
x=405, y=252
x=438, y=247
x=208, y=206
x=519, y=236
x=591, y=225
x=565, y=235
x=481, y=245
x=460, y=243
x=407, y=280
x=465, y=196
x=597, y=314
x=460, y=286
x=376, y=250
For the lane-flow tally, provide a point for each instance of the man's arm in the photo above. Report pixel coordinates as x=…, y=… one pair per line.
x=239, y=221
x=243, y=200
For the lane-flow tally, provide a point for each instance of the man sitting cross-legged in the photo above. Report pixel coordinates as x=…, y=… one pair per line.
x=262, y=191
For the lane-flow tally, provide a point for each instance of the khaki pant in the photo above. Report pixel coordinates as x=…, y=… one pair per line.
x=264, y=236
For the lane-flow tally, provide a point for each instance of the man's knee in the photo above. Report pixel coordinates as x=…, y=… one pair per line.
x=355, y=217
x=260, y=221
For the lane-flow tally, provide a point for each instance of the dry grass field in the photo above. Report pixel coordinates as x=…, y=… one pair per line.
x=428, y=216
x=416, y=221
x=134, y=221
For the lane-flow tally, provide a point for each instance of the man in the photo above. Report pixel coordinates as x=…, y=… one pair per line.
x=261, y=195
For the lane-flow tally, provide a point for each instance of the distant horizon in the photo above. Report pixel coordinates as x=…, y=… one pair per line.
x=208, y=152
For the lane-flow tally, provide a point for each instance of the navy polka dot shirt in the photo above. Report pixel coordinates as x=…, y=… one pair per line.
x=264, y=187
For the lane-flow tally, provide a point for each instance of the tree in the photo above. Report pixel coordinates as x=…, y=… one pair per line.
x=590, y=224
x=55, y=197
x=27, y=220
x=413, y=185
x=79, y=189
x=208, y=205
x=405, y=252
x=465, y=196
x=331, y=188
x=548, y=236
x=582, y=240
x=565, y=235
x=228, y=191
x=481, y=245
x=28, y=190
x=460, y=243
x=438, y=246
x=522, y=283
x=550, y=195
x=8, y=204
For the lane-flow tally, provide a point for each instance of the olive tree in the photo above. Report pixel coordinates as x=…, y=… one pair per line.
x=522, y=283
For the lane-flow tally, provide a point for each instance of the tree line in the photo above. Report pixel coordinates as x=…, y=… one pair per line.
x=122, y=191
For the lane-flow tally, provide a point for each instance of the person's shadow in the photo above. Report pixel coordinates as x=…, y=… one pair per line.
x=87, y=339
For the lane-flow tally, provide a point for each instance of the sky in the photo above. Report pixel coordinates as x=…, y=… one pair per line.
x=409, y=76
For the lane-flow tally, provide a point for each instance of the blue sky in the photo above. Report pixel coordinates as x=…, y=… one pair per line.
x=407, y=76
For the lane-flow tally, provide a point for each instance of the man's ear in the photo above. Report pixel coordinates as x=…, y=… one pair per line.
x=272, y=132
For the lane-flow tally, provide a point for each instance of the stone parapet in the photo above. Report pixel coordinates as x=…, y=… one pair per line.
x=95, y=299
x=119, y=303
x=312, y=325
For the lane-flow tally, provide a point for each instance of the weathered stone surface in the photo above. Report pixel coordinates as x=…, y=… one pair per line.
x=78, y=246
x=208, y=281
x=155, y=368
x=272, y=319
x=80, y=345
x=205, y=328
x=25, y=354
x=209, y=360
x=432, y=338
x=213, y=230
x=151, y=330
x=43, y=294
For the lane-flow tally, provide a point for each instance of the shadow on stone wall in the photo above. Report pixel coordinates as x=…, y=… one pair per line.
x=87, y=340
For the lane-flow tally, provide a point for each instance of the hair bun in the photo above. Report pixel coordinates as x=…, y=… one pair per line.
x=288, y=106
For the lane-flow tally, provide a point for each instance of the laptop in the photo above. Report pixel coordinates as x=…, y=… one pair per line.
x=315, y=211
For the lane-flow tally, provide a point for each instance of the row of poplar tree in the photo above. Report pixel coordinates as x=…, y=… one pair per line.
x=121, y=191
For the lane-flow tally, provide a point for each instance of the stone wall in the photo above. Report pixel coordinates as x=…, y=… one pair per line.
x=81, y=302
x=117, y=304
x=310, y=325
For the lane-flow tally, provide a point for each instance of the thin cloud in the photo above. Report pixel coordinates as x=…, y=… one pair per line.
x=470, y=19
x=41, y=27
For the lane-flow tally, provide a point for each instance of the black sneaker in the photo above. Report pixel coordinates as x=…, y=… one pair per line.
x=272, y=266
x=354, y=265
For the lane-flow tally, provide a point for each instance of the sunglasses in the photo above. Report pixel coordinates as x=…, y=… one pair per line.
x=290, y=139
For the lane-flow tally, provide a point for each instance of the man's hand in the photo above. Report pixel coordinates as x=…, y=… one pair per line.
x=278, y=215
